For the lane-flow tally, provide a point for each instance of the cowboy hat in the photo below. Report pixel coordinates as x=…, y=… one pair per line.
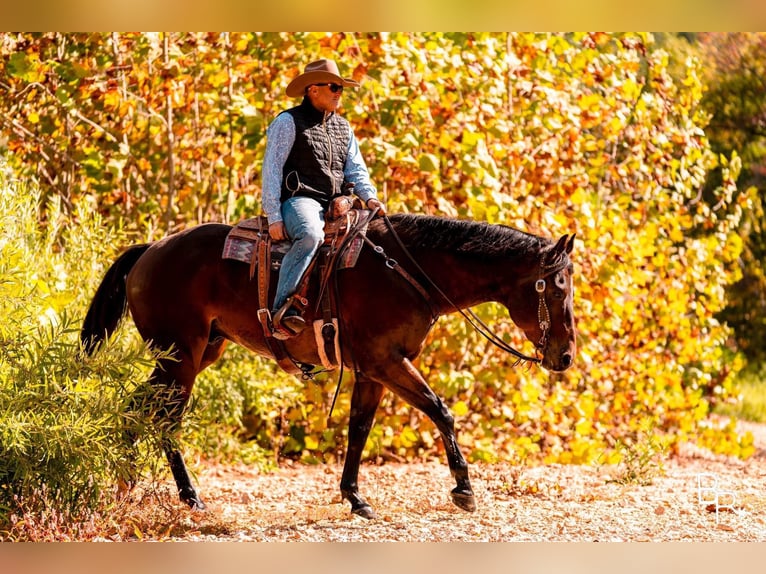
x=320, y=72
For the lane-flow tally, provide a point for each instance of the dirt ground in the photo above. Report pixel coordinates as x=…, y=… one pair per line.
x=540, y=504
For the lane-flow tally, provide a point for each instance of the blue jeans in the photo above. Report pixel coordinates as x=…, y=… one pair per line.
x=304, y=222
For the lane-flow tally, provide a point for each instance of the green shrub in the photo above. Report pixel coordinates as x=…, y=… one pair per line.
x=750, y=401
x=62, y=416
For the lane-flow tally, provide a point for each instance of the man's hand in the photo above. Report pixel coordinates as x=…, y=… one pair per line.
x=277, y=231
x=373, y=203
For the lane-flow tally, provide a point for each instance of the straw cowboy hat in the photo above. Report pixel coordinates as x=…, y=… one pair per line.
x=320, y=72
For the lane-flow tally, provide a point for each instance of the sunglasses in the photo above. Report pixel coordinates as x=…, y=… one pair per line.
x=334, y=88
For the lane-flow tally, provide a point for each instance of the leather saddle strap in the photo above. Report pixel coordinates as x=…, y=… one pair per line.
x=277, y=348
x=263, y=261
x=328, y=328
x=326, y=298
x=264, y=268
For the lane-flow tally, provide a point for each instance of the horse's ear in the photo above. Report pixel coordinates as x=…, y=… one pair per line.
x=561, y=245
x=570, y=243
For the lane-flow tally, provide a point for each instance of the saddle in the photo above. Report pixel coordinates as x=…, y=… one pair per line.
x=249, y=242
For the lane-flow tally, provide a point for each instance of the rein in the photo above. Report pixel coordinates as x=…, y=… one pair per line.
x=361, y=224
x=473, y=320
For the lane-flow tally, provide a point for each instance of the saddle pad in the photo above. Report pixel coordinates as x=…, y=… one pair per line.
x=244, y=249
x=241, y=240
x=241, y=244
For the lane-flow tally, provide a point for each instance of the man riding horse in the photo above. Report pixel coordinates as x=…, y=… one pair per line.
x=312, y=156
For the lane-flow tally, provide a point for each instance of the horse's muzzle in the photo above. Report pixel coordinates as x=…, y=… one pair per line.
x=565, y=360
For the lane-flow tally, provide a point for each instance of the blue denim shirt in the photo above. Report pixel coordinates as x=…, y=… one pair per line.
x=280, y=138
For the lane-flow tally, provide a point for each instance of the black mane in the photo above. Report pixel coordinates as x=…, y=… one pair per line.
x=466, y=236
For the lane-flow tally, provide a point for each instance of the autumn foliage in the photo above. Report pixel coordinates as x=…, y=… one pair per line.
x=549, y=133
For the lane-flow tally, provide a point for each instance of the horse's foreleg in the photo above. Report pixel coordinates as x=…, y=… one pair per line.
x=406, y=381
x=365, y=399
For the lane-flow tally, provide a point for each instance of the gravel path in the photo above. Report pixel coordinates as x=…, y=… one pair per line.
x=543, y=503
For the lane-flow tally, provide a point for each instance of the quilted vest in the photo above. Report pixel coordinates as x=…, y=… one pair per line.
x=314, y=167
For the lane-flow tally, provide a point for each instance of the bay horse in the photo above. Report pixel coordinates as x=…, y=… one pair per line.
x=183, y=296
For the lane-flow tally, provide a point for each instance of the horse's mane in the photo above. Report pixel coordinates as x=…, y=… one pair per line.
x=466, y=236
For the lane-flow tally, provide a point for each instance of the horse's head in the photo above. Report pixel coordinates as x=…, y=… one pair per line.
x=547, y=317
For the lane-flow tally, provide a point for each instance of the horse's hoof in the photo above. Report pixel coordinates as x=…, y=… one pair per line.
x=195, y=504
x=365, y=511
x=465, y=501
x=198, y=506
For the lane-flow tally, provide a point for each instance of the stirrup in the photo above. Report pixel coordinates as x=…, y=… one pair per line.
x=288, y=326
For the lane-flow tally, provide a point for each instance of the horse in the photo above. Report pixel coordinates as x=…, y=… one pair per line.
x=182, y=295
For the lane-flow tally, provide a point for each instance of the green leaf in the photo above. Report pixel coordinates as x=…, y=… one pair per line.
x=429, y=163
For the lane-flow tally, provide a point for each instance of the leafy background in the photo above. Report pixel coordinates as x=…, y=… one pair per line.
x=629, y=140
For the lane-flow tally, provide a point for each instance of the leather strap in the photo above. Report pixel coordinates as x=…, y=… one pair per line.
x=263, y=261
x=394, y=266
x=329, y=328
x=264, y=268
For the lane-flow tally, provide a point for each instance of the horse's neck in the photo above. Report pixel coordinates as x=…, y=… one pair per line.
x=471, y=264
x=468, y=281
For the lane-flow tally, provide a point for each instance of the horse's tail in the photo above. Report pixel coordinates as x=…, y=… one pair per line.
x=110, y=303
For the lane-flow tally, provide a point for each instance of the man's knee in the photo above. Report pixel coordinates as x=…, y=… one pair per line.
x=311, y=238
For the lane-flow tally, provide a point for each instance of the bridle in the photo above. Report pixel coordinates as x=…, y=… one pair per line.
x=543, y=314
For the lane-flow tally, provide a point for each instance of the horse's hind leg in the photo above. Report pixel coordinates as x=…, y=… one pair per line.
x=365, y=399
x=186, y=492
x=166, y=403
x=180, y=375
x=144, y=403
x=173, y=381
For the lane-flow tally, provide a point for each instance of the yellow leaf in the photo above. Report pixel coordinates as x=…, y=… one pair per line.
x=676, y=235
x=631, y=89
x=311, y=443
x=583, y=427
x=460, y=409
x=112, y=99
x=589, y=102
